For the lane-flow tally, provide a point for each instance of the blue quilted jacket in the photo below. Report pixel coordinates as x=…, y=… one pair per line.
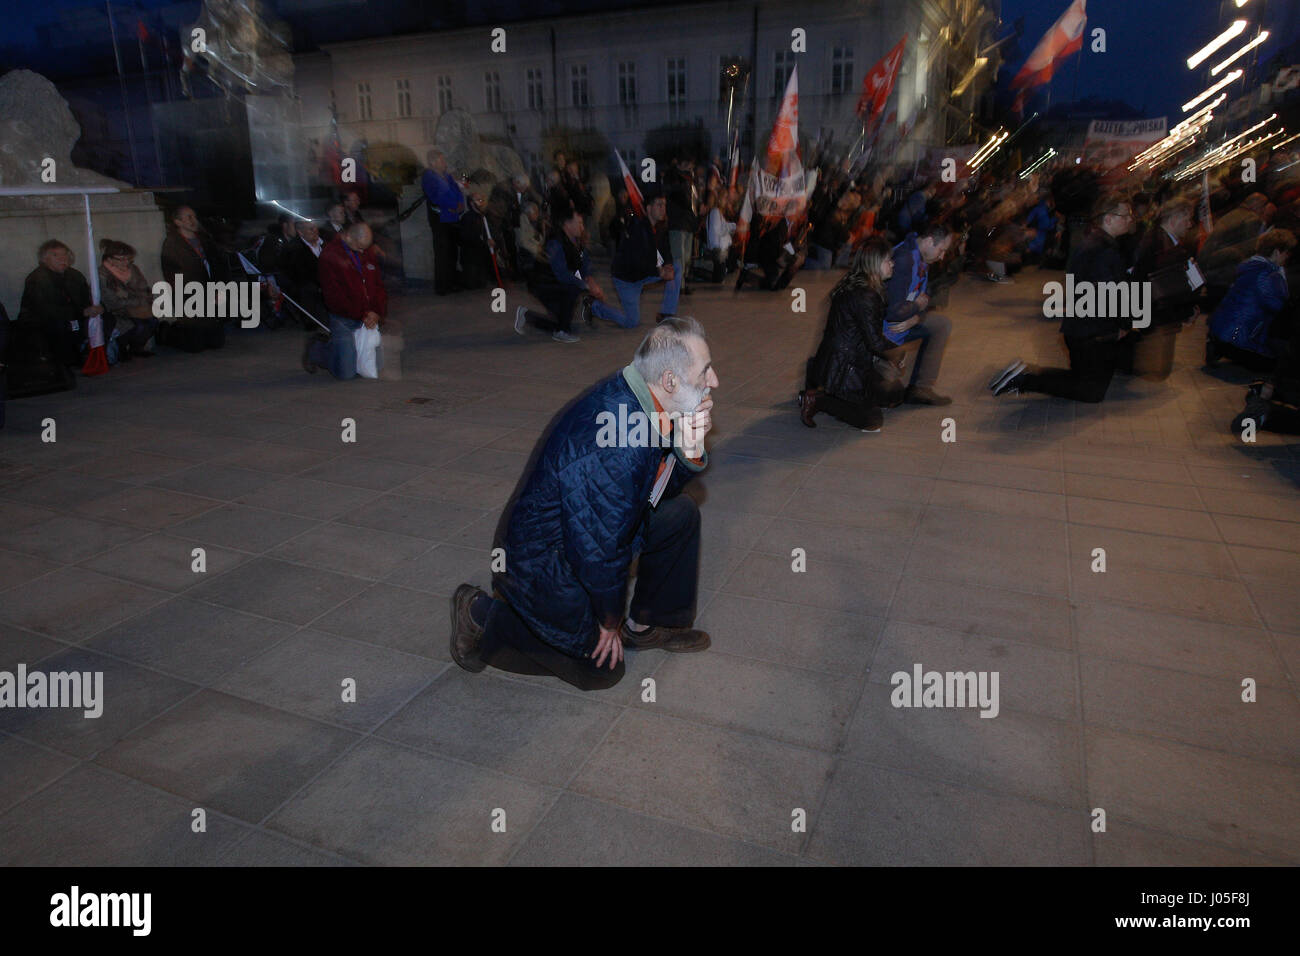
x=576, y=525
x=1246, y=312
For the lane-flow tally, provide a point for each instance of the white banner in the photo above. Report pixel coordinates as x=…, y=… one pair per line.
x=1112, y=143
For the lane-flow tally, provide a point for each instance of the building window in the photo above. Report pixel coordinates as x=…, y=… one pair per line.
x=534, y=82
x=492, y=91
x=841, y=69
x=403, y=99
x=782, y=67
x=578, y=85
x=363, y=101
x=444, y=94
x=430, y=130
x=627, y=91
x=676, y=72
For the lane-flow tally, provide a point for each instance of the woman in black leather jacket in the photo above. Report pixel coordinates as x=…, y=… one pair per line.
x=842, y=380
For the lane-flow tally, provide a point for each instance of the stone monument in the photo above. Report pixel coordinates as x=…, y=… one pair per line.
x=37, y=133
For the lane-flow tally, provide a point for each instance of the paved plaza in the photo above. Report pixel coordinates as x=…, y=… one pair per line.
x=327, y=561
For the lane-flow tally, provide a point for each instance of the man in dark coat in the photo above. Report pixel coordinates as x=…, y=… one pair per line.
x=476, y=247
x=643, y=257
x=56, y=301
x=185, y=254
x=1093, y=342
x=603, y=491
x=301, y=269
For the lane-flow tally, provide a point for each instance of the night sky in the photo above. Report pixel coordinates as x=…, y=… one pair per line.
x=1147, y=45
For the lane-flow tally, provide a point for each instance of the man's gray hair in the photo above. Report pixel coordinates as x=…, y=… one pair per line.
x=664, y=348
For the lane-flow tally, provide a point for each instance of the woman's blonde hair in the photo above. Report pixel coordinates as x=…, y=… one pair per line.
x=866, y=267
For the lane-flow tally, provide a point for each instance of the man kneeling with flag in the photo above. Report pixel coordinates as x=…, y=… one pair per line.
x=593, y=502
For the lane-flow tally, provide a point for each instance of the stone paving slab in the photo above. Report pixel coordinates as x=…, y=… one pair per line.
x=328, y=560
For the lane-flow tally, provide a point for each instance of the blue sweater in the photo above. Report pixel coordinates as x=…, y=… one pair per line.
x=443, y=192
x=909, y=280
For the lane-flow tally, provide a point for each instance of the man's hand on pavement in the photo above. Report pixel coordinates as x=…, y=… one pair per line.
x=610, y=645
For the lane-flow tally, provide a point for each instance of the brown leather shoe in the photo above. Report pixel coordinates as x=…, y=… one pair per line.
x=465, y=634
x=808, y=406
x=680, y=640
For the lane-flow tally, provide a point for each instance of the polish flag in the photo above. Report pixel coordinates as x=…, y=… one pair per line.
x=879, y=83
x=633, y=193
x=777, y=189
x=1060, y=42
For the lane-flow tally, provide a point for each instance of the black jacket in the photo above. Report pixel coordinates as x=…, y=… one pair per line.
x=680, y=193
x=179, y=257
x=854, y=334
x=1096, y=258
x=1163, y=262
x=636, y=257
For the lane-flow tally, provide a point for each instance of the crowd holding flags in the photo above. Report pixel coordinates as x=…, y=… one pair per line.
x=777, y=188
x=1063, y=39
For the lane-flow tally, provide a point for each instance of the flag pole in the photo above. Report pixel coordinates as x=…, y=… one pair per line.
x=126, y=107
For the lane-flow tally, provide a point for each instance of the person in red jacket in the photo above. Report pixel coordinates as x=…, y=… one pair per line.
x=353, y=288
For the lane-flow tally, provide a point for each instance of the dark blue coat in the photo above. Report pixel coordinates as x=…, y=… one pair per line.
x=576, y=525
x=1244, y=316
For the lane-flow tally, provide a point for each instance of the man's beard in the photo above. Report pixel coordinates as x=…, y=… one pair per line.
x=688, y=399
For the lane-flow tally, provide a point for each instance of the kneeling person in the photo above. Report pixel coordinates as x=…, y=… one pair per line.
x=589, y=507
x=353, y=288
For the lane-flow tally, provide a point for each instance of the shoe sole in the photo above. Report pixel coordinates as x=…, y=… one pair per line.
x=475, y=666
x=630, y=643
x=1008, y=373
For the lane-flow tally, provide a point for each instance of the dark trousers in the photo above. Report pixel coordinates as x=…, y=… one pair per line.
x=1254, y=361
x=445, y=235
x=667, y=577
x=135, y=333
x=560, y=301
x=1092, y=366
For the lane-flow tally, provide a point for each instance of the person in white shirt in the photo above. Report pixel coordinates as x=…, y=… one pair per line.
x=718, y=238
x=300, y=270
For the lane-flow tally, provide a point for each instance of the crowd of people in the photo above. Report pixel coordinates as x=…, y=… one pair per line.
x=903, y=242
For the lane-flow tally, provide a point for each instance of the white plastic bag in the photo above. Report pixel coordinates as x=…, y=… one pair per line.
x=368, y=361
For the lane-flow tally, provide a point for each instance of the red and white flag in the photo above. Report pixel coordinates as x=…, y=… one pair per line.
x=1058, y=44
x=879, y=82
x=633, y=193
x=777, y=189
